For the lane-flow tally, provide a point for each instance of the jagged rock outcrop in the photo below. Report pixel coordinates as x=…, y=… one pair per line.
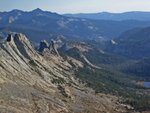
x=23, y=72
x=51, y=48
x=30, y=83
x=43, y=44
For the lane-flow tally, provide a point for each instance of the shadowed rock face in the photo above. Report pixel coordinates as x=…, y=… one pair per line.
x=43, y=44
x=9, y=38
x=51, y=48
x=30, y=83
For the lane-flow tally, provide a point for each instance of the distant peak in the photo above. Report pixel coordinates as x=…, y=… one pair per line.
x=37, y=10
x=16, y=11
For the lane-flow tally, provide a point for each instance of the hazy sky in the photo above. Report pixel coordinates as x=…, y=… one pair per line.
x=77, y=6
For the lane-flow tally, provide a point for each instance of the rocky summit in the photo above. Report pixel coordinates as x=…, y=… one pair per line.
x=31, y=82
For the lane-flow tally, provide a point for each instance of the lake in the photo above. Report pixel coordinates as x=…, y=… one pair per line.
x=147, y=84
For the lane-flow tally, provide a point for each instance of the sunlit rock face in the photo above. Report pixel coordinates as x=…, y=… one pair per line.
x=33, y=83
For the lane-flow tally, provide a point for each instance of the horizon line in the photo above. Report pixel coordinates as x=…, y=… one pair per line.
x=76, y=12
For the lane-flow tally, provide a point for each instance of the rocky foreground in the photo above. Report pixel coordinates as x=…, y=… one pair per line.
x=44, y=82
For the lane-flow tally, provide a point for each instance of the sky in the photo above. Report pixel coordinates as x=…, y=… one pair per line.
x=77, y=6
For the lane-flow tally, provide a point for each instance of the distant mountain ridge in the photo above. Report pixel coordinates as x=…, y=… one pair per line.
x=135, y=15
x=39, y=25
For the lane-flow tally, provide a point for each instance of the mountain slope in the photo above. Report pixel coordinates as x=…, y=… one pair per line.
x=38, y=24
x=133, y=43
x=139, y=68
x=88, y=50
x=35, y=83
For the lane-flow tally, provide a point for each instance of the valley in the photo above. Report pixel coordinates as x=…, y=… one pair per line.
x=53, y=63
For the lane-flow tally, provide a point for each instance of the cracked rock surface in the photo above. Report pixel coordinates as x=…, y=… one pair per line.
x=34, y=83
